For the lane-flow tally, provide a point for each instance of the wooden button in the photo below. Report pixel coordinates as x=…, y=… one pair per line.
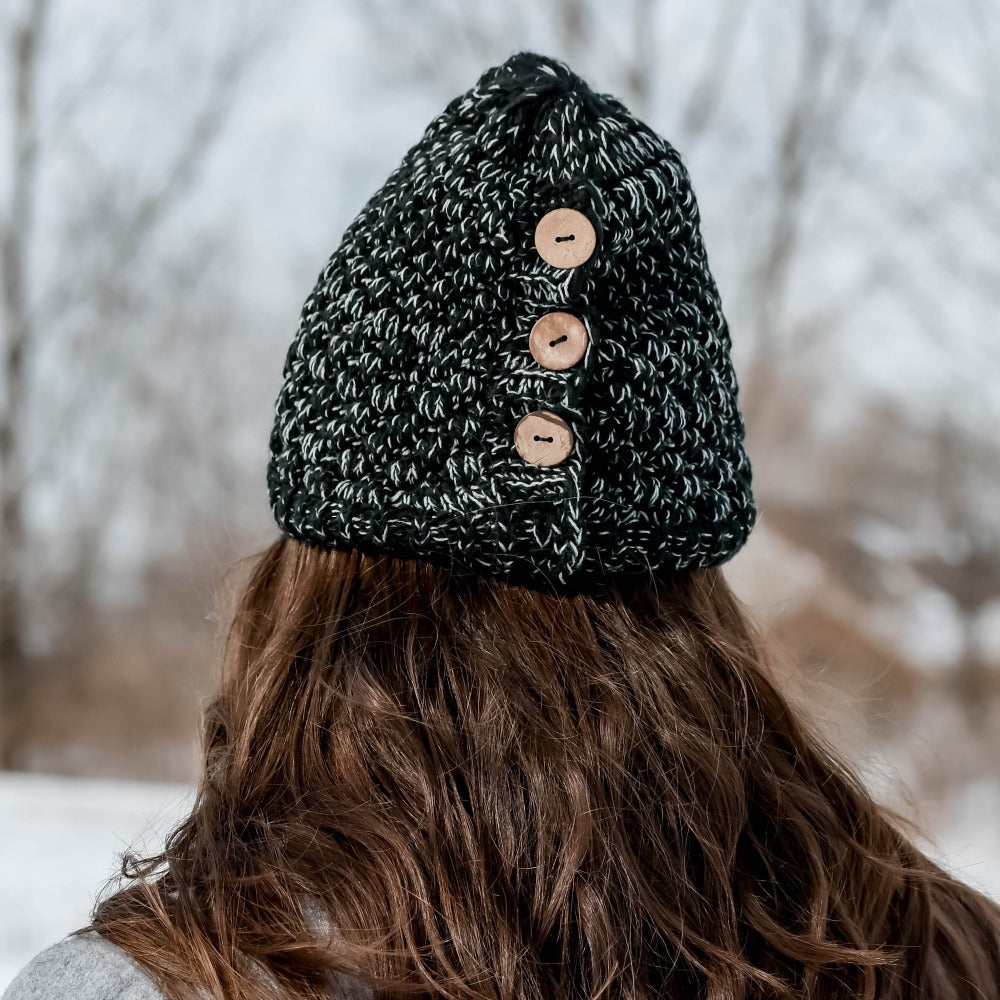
x=565, y=237
x=558, y=340
x=543, y=438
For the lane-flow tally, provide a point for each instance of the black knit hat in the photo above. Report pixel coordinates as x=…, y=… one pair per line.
x=516, y=361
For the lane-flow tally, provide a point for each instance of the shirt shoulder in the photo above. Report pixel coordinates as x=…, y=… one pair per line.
x=89, y=967
x=82, y=967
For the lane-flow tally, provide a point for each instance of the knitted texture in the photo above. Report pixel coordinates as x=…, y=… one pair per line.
x=394, y=428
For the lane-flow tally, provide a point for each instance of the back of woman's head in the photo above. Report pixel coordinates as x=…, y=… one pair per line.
x=431, y=770
x=449, y=785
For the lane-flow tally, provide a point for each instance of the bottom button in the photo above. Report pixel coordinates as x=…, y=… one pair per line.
x=543, y=438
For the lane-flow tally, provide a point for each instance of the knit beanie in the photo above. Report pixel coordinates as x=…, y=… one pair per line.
x=516, y=362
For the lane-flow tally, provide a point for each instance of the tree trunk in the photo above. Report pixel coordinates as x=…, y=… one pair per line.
x=17, y=327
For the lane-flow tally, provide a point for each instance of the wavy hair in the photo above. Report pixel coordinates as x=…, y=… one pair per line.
x=423, y=783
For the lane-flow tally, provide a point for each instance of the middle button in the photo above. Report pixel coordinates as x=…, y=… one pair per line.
x=558, y=340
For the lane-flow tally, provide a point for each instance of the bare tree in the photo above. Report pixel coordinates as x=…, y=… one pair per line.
x=831, y=74
x=109, y=288
x=912, y=476
x=965, y=562
x=15, y=238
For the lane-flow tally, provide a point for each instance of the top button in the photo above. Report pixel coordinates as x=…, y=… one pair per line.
x=565, y=237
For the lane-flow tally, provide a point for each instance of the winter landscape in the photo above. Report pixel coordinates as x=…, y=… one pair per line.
x=172, y=179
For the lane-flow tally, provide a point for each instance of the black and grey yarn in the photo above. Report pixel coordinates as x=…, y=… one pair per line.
x=394, y=428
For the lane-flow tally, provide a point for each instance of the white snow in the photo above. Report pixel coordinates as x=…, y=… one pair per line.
x=59, y=842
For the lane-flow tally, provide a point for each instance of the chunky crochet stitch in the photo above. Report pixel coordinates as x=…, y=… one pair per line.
x=394, y=428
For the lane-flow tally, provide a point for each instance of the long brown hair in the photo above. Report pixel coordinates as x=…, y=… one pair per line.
x=486, y=790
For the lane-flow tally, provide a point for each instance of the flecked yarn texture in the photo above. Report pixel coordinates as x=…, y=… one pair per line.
x=394, y=428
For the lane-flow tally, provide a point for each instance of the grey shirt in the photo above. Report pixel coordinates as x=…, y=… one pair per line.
x=89, y=967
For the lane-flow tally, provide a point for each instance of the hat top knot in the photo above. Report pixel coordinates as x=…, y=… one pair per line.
x=530, y=77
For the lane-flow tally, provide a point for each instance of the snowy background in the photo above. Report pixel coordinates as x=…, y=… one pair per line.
x=61, y=838
x=173, y=177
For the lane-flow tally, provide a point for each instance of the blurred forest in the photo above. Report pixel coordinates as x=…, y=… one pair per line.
x=172, y=179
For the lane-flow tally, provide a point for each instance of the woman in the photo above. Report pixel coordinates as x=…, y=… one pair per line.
x=491, y=723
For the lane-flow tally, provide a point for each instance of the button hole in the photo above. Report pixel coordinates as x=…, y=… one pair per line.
x=549, y=439
x=563, y=239
x=552, y=343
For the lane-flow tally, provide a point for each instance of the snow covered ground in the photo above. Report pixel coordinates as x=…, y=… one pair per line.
x=58, y=842
x=60, y=839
